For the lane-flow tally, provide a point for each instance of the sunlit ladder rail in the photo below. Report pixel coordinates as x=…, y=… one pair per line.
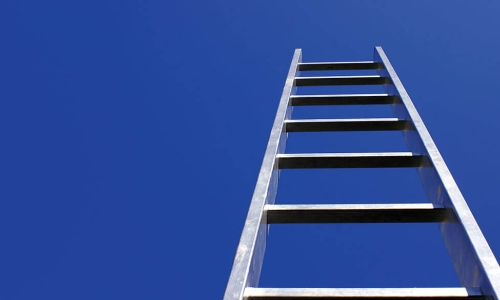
x=474, y=262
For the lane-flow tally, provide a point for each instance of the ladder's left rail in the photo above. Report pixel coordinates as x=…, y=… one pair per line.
x=250, y=252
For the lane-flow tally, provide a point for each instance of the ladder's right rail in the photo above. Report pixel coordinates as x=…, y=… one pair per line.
x=471, y=255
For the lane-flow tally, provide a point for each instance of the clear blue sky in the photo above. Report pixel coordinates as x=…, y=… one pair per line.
x=133, y=132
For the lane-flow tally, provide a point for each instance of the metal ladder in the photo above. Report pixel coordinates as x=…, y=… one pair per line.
x=474, y=262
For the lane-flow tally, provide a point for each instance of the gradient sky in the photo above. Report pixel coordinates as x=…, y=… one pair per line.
x=133, y=133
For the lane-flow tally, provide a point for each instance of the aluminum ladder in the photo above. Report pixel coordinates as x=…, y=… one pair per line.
x=474, y=262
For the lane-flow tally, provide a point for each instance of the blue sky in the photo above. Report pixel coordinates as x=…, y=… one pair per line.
x=133, y=133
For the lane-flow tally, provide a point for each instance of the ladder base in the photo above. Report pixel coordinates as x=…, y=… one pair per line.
x=363, y=293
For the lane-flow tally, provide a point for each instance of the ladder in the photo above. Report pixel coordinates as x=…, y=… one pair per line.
x=474, y=262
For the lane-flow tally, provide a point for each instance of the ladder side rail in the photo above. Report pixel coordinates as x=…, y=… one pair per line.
x=250, y=252
x=471, y=255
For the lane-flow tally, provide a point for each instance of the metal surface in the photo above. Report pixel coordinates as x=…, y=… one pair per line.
x=356, y=99
x=474, y=262
x=364, y=293
x=472, y=257
x=355, y=213
x=250, y=252
x=341, y=80
x=353, y=65
x=349, y=160
x=372, y=124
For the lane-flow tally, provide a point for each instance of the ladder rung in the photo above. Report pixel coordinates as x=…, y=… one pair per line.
x=355, y=99
x=355, y=213
x=355, y=65
x=341, y=80
x=349, y=160
x=345, y=125
x=364, y=293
